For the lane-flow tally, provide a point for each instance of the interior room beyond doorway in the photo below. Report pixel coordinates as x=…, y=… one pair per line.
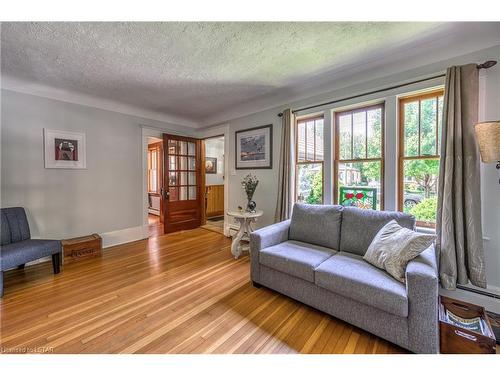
x=214, y=184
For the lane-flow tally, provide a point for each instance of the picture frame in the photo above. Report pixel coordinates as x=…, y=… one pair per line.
x=254, y=148
x=210, y=165
x=64, y=149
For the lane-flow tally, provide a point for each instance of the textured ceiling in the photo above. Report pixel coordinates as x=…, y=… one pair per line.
x=198, y=70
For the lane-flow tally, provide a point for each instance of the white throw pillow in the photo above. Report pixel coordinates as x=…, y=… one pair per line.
x=394, y=246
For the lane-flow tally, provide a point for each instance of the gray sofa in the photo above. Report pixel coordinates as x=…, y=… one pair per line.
x=317, y=258
x=17, y=248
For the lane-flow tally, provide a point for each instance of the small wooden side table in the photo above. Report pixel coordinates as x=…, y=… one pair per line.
x=245, y=219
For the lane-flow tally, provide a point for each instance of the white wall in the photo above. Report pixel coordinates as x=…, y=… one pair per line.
x=214, y=148
x=266, y=193
x=107, y=197
x=490, y=187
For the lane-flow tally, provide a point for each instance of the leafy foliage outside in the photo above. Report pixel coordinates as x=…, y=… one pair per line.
x=316, y=194
x=424, y=174
x=425, y=210
x=310, y=184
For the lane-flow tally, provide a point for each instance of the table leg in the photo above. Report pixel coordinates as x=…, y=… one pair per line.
x=235, y=245
x=250, y=229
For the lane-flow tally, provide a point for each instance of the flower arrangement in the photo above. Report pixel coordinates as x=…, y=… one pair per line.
x=250, y=183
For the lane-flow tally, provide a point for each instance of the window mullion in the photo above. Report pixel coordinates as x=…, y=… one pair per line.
x=366, y=134
x=419, y=125
x=437, y=127
x=352, y=135
x=314, y=140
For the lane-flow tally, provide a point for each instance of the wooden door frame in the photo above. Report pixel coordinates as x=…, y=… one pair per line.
x=202, y=179
x=158, y=145
x=143, y=231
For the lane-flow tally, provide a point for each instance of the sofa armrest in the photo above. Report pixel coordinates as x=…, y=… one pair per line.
x=263, y=238
x=422, y=287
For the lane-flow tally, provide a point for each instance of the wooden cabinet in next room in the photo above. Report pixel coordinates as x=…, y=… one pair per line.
x=214, y=200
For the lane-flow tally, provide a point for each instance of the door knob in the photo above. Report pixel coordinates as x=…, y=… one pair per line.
x=165, y=194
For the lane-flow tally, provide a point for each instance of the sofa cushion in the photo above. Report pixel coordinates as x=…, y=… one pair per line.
x=26, y=251
x=5, y=239
x=17, y=223
x=295, y=258
x=359, y=227
x=316, y=224
x=350, y=276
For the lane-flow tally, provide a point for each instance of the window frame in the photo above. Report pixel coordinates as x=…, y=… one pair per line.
x=306, y=162
x=381, y=159
x=158, y=146
x=402, y=100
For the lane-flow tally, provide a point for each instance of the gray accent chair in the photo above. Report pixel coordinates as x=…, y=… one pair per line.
x=17, y=248
x=317, y=258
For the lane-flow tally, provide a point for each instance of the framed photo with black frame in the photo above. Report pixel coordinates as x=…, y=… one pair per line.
x=254, y=148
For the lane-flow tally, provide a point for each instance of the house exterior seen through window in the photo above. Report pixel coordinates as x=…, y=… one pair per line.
x=309, y=160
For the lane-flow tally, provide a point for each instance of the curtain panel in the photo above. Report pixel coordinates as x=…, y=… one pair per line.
x=459, y=231
x=285, y=174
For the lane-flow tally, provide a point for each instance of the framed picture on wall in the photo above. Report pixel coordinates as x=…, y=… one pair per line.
x=64, y=149
x=211, y=165
x=254, y=148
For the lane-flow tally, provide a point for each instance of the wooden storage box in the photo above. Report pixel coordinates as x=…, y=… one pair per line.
x=82, y=247
x=458, y=340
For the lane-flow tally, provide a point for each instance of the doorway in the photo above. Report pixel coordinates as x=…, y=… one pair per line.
x=155, y=186
x=214, y=169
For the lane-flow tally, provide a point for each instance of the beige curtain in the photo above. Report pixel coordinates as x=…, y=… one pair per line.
x=283, y=205
x=459, y=234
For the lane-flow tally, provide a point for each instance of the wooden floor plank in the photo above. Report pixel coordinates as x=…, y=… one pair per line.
x=176, y=293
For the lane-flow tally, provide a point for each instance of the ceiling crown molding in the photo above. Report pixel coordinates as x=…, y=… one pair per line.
x=74, y=97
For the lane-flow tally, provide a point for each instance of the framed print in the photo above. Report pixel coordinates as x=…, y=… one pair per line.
x=254, y=148
x=64, y=149
x=211, y=165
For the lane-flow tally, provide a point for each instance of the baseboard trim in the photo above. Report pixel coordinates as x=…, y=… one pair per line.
x=114, y=238
x=122, y=236
x=479, y=291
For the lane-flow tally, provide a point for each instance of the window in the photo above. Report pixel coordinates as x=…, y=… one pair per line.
x=309, y=160
x=154, y=155
x=420, y=120
x=359, y=157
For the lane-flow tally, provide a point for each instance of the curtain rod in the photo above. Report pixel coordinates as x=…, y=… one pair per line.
x=485, y=65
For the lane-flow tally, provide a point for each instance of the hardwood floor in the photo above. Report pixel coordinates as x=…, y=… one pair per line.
x=155, y=227
x=179, y=293
x=215, y=225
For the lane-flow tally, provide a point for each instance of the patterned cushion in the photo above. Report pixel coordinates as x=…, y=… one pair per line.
x=359, y=227
x=394, y=246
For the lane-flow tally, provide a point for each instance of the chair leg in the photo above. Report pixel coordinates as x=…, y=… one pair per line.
x=1, y=284
x=56, y=259
x=20, y=267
